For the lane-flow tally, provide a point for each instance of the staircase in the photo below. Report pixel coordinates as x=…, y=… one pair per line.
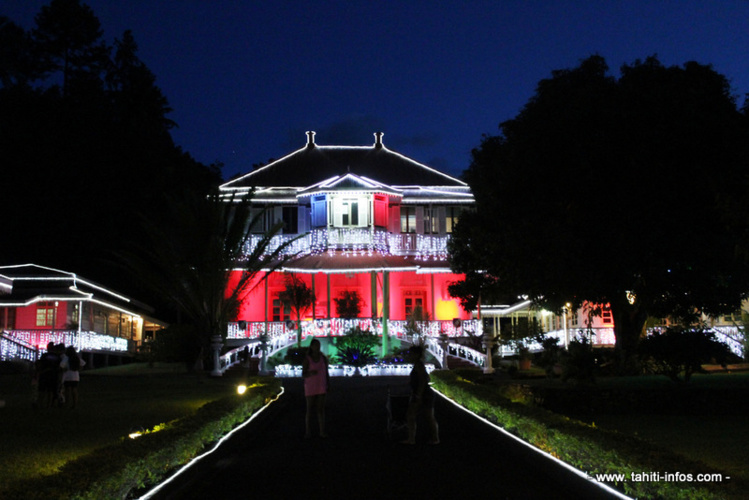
x=454, y=362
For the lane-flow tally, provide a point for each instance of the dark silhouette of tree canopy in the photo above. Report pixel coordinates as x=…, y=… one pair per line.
x=614, y=191
x=189, y=252
x=85, y=145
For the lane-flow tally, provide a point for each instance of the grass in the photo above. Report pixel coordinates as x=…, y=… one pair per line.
x=718, y=441
x=113, y=402
x=713, y=431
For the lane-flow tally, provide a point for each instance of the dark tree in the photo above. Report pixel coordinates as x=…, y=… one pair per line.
x=298, y=297
x=188, y=256
x=69, y=40
x=348, y=304
x=611, y=190
x=85, y=145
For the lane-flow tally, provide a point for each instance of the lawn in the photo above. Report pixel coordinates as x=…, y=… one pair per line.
x=714, y=429
x=714, y=436
x=113, y=403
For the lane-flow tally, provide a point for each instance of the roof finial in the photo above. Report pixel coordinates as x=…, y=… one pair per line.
x=310, y=139
x=378, y=139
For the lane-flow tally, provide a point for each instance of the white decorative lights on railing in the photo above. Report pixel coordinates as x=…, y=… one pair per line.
x=290, y=371
x=357, y=242
x=339, y=326
x=85, y=340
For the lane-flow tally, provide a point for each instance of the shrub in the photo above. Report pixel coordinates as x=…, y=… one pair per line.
x=679, y=351
x=357, y=348
x=550, y=356
x=295, y=356
x=579, y=361
x=177, y=343
x=348, y=304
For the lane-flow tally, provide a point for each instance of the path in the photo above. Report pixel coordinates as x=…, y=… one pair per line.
x=270, y=459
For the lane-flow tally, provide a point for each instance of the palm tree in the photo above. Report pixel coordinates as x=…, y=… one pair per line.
x=189, y=257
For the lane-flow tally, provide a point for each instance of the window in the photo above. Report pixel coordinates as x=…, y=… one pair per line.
x=413, y=299
x=452, y=214
x=45, y=314
x=606, y=316
x=277, y=313
x=408, y=219
x=431, y=221
x=350, y=214
x=412, y=303
x=290, y=220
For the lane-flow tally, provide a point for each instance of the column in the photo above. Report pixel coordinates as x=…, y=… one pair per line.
x=385, y=312
x=329, y=315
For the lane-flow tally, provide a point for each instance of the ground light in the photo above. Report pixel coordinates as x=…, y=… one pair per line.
x=189, y=464
x=241, y=389
x=567, y=466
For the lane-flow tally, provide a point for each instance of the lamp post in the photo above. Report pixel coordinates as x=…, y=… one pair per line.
x=444, y=341
x=488, y=341
x=264, y=353
x=216, y=344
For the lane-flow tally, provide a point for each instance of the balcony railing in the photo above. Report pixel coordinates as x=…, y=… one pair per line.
x=360, y=241
x=338, y=326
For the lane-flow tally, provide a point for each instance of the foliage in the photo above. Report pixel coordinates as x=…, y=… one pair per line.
x=188, y=257
x=564, y=172
x=295, y=356
x=550, y=356
x=357, y=347
x=579, y=361
x=417, y=322
x=84, y=126
x=298, y=297
x=682, y=352
x=583, y=446
x=348, y=304
x=94, y=460
x=176, y=343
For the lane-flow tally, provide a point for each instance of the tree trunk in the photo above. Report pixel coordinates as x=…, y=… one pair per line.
x=629, y=321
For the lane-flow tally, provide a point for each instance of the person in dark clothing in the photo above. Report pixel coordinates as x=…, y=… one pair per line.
x=48, y=368
x=422, y=397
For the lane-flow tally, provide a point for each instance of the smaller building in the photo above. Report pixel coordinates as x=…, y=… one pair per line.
x=39, y=305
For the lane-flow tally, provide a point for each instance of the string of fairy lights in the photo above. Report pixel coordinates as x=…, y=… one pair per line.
x=25, y=343
x=339, y=326
x=353, y=242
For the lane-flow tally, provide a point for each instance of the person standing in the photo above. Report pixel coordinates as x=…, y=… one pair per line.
x=422, y=397
x=48, y=368
x=316, y=382
x=71, y=365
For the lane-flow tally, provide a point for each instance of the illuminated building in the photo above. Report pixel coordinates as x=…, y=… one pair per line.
x=39, y=305
x=368, y=220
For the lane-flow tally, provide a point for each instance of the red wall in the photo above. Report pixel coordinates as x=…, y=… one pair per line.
x=402, y=285
x=26, y=317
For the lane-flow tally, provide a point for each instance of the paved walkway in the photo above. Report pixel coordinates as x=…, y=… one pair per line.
x=270, y=459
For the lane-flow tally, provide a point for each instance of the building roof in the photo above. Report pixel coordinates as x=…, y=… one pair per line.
x=314, y=164
x=22, y=285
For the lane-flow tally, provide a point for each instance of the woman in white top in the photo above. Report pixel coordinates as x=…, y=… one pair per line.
x=71, y=365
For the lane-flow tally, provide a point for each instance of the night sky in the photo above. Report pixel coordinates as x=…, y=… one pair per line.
x=247, y=79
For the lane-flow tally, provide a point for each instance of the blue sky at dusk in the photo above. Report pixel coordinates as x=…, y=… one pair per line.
x=247, y=79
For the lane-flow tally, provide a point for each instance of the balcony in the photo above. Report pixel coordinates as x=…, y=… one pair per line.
x=424, y=246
